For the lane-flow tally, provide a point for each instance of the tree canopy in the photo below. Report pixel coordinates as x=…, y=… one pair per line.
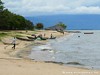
x=1, y=6
x=39, y=26
x=11, y=21
x=62, y=25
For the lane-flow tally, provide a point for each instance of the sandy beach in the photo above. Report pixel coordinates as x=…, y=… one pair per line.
x=11, y=64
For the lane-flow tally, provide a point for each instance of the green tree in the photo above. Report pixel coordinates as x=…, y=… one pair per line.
x=29, y=25
x=11, y=21
x=62, y=25
x=39, y=26
x=1, y=6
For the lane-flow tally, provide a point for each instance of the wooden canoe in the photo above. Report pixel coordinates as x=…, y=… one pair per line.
x=31, y=37
x=88, y=32
x=24, y=39
x=53, y=38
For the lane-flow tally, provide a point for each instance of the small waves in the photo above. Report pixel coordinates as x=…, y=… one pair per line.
x=64, y=38
x=83, y=51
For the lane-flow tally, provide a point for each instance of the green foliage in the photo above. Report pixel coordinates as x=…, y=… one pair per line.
x=11, y=21
x=39, y=26
x=62, y=25
x=1, y=6
x=3, y=34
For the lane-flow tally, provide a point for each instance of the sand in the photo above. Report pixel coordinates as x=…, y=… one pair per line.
x=12, y=65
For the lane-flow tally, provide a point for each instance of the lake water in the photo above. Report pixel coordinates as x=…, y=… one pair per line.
x=73, y=21
x=84, y=50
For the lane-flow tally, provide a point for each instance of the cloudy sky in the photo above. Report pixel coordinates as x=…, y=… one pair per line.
x=49, y=7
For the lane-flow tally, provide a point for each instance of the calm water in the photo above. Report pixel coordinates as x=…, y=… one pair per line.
x=82, y=21
x=84, y=50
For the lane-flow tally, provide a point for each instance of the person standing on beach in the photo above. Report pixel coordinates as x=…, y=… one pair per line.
x=14, y=43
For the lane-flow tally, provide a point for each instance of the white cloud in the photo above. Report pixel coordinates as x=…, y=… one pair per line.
x=42, y=7
x=86, y=10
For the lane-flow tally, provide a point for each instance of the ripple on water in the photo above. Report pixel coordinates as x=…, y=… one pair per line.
x=72, y=50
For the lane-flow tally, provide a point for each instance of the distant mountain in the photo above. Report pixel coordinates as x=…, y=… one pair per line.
x=72, y=21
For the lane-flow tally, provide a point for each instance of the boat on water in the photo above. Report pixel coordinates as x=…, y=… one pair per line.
x=53, y=38
x=43, y=38
x=88, y=33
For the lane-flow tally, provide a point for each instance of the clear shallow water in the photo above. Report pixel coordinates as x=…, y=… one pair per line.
x=84, y=50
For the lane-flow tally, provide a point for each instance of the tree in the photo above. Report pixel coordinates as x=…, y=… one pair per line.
x=62, y=25
x=39, y=26
x=11, y=21
x=1, y=6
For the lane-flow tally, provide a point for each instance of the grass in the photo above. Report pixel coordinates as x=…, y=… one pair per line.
x=3, y=34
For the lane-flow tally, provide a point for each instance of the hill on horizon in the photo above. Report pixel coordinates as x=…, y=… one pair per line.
x=73, y=22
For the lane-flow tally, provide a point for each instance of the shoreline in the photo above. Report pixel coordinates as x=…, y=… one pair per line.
x=10, y=64
x=23, y=53
x=27, y=50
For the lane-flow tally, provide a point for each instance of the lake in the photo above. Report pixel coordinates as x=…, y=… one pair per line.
x=71, y=49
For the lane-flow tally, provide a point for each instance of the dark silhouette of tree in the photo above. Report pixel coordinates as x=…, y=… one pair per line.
x=39, y=26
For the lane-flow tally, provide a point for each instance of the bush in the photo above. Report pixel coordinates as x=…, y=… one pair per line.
x=39, y=26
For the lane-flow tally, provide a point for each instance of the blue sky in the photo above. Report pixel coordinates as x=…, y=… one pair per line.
x=50, y=7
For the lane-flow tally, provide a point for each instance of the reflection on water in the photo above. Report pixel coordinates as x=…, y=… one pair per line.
x=84, y=50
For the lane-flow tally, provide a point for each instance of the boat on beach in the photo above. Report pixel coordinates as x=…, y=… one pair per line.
x=24, y=39
x=31, y=37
